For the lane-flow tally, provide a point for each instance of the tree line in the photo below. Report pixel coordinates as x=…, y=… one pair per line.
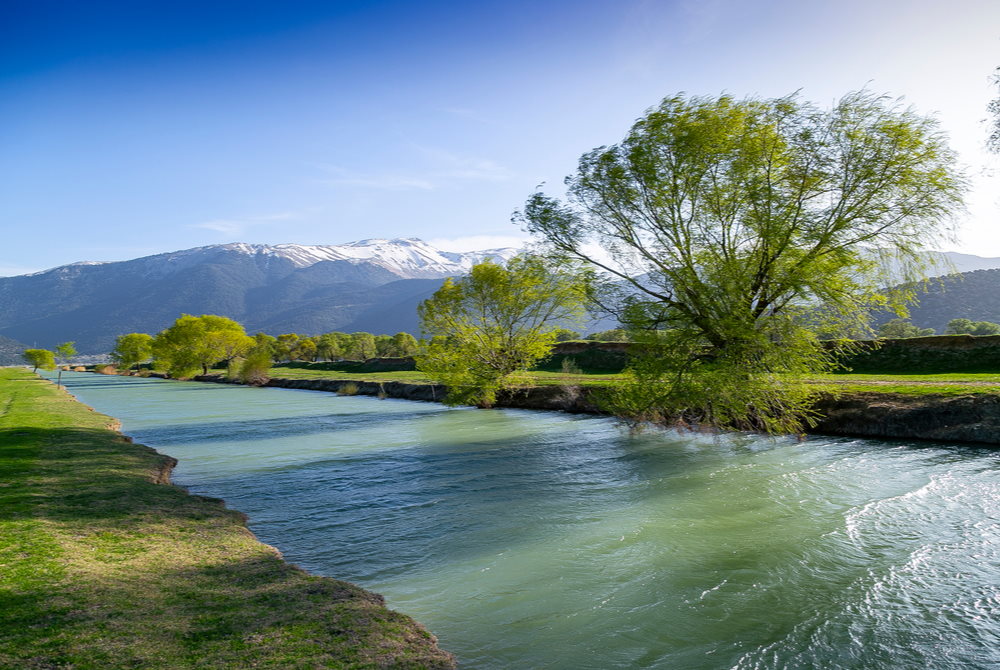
x=197, y=343
x=730, y=238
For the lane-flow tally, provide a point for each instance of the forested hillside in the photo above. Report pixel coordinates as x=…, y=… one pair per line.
x=970, y=295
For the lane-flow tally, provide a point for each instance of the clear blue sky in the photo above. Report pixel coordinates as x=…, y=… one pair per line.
x=133, y=128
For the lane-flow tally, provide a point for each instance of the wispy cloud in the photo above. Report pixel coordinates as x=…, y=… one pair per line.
x=238, y=226
x=387, y=182
x=444, y=168
x=455, y=166
x=470, y=114
x=478, y=242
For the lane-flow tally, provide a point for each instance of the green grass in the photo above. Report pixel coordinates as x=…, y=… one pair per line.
x=103, y=567
x=948, y=384
x=916, y=384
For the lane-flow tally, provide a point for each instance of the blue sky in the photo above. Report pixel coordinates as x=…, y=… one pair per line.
x=134, y=128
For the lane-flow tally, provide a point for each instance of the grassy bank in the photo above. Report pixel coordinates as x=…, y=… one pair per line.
x=103, y=567
x=915, y=384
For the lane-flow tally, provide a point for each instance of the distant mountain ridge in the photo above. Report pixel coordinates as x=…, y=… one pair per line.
x=371, y=285
x=970, y=295
x=409, y=258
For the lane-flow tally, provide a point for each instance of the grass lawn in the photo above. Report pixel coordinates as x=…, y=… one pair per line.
x=101, y=567
x=951, y=383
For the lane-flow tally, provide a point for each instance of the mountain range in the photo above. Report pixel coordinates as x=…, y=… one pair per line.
x=371, y=285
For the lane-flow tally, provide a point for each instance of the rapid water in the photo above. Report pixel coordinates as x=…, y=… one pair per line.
x=543, y=540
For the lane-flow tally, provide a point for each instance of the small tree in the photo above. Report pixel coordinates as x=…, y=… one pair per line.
x=40, y=358
x=902, y=328
x=132, y=349
x=404, y=344
x=284, y=347
x=384, y=346
x=496, y=322
x=362, y=346
x=328, y=346
x=565, y=335
x=969, y=327
x=200, y=341
x=255, y=370
x=613, y=335
x=64, y=353
x=305, y=349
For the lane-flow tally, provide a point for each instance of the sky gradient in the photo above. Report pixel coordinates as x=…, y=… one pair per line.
x=136, y=128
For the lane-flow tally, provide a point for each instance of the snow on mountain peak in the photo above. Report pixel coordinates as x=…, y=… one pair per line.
x=410, y=258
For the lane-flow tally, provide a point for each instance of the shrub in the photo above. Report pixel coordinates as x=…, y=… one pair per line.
x=569, y=367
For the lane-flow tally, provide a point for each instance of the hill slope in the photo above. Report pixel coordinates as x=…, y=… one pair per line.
x=971, y=295
x=282, y=288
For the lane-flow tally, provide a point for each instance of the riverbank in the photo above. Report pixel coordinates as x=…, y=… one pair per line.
x=104, y=564
x=971, y=418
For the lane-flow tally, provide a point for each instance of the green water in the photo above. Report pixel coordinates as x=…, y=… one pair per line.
x=542, y=540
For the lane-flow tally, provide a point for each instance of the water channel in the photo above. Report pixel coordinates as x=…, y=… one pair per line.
x=543, y=540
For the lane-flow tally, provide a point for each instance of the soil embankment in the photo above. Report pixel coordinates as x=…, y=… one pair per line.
x=973, y=418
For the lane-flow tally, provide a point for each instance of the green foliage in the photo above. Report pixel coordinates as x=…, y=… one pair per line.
x=132, y=349
x=404, y=344
x=255, y=369
x=899, y=328
x=745, y=229
x=65, y=351
x=40, y=358
x=383, y=346
x=328, y=346
x=284, y=345
x=361, y=347
x=613, y=335
x=265, y=342
x=570, y=367
x=194, y=342
x=305, y=350
x=565, y=335
x=969, y=327
x=496, y=322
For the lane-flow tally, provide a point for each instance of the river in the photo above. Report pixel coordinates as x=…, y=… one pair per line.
x=528, y=539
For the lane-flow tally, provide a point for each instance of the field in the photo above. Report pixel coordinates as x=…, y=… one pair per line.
x=103, y=567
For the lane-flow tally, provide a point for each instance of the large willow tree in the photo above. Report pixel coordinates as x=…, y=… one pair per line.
x=732, y=232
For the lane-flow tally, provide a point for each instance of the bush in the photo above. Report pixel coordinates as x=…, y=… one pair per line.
x=569, y=367
x=350, y=388
x=256, y=368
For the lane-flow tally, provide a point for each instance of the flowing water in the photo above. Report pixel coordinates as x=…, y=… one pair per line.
x=543, y=540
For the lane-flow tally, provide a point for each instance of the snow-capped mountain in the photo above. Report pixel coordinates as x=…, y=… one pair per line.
x=371, y=285
x=409, y=258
